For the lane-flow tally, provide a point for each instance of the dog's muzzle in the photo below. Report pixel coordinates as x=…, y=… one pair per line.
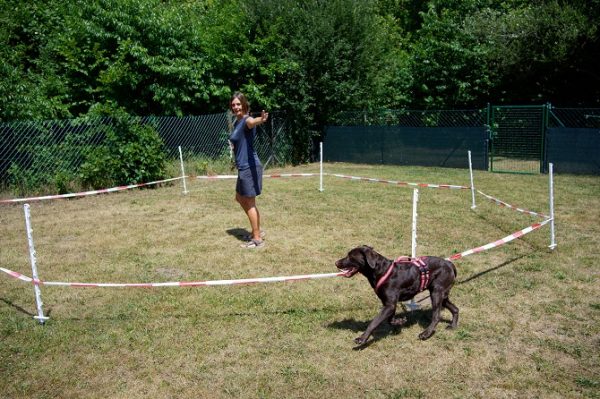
x=348, y=271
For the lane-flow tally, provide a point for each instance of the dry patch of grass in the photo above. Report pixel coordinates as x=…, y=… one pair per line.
x=529, y=316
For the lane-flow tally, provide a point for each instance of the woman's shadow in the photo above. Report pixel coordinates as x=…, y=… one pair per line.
x=238, y=233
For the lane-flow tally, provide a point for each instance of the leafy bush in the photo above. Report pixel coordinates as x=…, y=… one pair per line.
x=131, y=152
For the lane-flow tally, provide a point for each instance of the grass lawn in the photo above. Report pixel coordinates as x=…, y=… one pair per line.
x=529, y=317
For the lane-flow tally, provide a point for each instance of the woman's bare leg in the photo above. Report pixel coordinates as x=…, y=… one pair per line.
x=248, y=204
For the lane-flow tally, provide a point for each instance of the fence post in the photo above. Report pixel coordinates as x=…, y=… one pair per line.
x=490, y=122
x=36, y=287
x=545, y=123
x=473, y=206
x=185, y=191
x=413, y=305
x=551, y=188
x=321, y=166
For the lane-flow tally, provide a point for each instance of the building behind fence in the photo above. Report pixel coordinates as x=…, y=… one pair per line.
x=522, y=139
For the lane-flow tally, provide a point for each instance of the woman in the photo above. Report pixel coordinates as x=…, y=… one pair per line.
x=249, y=182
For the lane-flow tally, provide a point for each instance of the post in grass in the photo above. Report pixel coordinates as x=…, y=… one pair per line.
x=413, y=305
x=36, y=288
x=321, y=166
x=185, y=191
x=473, y=206
x=551, y=189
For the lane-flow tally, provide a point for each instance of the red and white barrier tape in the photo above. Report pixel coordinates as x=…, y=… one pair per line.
x=223, y=177
x=22, y=277
x=482, y=248
x=504, y=204
x=400, y=183
x=502, y=241
x=397, y=183
x=86, y=193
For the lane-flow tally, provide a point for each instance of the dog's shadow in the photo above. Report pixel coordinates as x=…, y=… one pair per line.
x=422, y=317
x=238, y=233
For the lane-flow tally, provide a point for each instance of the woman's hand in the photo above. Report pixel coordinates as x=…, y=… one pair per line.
x=252, y=122
x=264, y=116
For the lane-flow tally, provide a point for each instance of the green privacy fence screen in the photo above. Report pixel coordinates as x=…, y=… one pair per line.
x=410, y=137
x=392, y=145
x=573, y=140
x=513, y=139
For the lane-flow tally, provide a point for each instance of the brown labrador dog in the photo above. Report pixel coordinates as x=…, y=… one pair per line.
x=401, y=280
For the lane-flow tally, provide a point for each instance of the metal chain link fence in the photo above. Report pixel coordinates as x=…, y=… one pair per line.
x=519, y=139
x=34, y=154
x=413, y=118
x=45, y=155
x=409, y=137
x=588, y=118
x=572, y=141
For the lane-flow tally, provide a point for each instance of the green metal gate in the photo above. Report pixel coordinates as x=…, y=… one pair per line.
x=517, y=138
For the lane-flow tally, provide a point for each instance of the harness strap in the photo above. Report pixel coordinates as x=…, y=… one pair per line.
x=418, y=262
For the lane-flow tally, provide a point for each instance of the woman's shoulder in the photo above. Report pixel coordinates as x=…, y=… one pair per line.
x=248, y=120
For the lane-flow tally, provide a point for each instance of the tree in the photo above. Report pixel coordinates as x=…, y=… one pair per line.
x=30, y=85
x=317, y=58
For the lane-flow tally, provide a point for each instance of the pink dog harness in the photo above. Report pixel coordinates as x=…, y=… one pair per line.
x=418, y=262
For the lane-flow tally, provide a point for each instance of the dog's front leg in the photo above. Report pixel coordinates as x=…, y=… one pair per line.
x=386, y=312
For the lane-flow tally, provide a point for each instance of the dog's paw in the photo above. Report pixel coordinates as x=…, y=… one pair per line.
x=398, y=321
x=360, y=340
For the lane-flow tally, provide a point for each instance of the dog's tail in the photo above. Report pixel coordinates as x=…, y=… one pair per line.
x=453, y=269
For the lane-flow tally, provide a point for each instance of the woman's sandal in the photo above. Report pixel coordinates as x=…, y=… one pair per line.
x=253, y=244
x=248, y=237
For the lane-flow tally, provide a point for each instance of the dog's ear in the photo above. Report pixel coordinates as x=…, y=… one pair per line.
x=370, y=256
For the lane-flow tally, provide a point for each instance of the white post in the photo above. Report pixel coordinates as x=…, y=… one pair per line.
x=472, y=185
x=185, y=191
x=38, y=293
x=321, y=166
x=413, y=305
x=414, y=223
x=551, y=185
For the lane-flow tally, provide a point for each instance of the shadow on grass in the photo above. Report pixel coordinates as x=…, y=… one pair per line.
x=422, y=317
x=490, y=222
x=23, y=310
x=501, y=265
x=238, y=233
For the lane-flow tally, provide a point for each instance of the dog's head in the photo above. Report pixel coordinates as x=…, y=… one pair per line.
x=360, y=259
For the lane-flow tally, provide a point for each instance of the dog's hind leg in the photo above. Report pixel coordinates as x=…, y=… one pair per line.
x=454, y=310
x=436, y=305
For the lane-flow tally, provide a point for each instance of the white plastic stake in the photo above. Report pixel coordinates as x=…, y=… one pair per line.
x=413, y=305
x=472, y=185
x=551, y=185
x=185, y=191
x=321, y=166
x=414, y=223
x=38, y=293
